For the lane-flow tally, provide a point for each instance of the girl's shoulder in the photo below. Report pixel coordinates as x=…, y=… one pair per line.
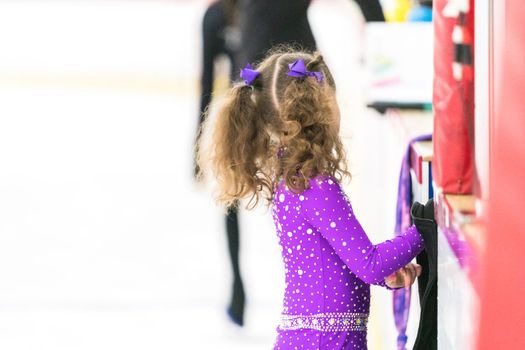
x=321, y=183
x=317, y=184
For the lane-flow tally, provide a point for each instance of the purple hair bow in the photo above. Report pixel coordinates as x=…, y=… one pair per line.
x=249, y=75
x=298, y=69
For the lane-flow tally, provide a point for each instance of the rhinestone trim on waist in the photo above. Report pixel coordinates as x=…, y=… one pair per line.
x=326, y=322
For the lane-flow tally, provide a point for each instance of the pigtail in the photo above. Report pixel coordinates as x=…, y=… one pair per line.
x=316, y=63
x=309, y=129
x=239, y=148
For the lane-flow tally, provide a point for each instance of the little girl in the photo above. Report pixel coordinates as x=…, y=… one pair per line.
x=276, y=139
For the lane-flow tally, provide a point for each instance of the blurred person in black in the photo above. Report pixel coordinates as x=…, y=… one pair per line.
x=220, y=36
x=267, y=23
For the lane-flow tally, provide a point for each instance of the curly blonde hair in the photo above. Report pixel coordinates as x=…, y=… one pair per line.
x=282, y=128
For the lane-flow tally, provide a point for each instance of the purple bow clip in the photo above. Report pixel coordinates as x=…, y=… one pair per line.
x=249, y=75
x=298, y=69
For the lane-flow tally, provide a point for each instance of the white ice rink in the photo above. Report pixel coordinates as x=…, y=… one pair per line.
x=105, y=241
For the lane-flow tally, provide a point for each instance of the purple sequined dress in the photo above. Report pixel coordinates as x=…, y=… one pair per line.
x=329, y=265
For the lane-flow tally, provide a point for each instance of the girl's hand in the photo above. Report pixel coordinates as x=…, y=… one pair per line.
x=404, y=277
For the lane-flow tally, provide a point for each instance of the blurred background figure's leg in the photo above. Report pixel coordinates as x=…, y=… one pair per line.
x=219, y=28
x=236, y=307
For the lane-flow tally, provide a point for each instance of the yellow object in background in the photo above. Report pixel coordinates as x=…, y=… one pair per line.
x=398, y=10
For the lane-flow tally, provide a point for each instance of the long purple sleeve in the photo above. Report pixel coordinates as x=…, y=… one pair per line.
x=329, y=264
x=325, y=206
